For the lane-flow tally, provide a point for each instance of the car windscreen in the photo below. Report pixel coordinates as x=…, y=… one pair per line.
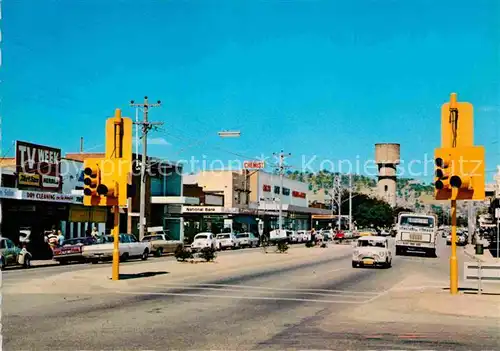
x=417, y=221
x=200, y=237
x=81, y=241
x=372, y=243
x=243, y=235
x=151, y=238
x=224, y=236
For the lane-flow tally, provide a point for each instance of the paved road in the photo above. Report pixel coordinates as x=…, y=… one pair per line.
x=12, y=275
x=297, y=306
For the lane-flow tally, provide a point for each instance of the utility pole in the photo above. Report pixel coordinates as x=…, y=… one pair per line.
x=339, y=189
x=281, y=170
x=146, y=127
x=350, y=202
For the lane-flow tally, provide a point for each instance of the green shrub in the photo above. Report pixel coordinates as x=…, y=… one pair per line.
x=181, y=254
x=208, y=254
x=282, y=246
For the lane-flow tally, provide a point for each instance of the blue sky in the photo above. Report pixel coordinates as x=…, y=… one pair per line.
x=324, y=78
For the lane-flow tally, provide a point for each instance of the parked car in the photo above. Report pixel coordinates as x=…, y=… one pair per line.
x=295, y=237
x=367, y=232
x=160, y=244
x=372, y=251
x=327, y=234
x=128, y=245
x=339, y=235
x=247, y=239
x=276, y=235
x=72, y=250
x=227, y=241
x=12, y=255
x=202, y=240
x=305, y=235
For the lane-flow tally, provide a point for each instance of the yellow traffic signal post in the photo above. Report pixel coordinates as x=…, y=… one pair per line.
x=107, y=179
x=459, y=172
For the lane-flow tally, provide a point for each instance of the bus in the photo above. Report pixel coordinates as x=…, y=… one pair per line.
x=416, y=233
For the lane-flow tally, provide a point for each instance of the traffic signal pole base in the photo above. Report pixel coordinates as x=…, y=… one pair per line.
x=115, y=275
x=453, y=256
x=453, y=275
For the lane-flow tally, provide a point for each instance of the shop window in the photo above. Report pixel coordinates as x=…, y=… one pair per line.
x=386, y=188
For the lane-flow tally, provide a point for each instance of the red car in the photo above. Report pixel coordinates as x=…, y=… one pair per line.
x=71, y=250
x=339, y=235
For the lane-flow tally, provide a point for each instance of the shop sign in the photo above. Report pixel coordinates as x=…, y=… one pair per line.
x=50, y=182
x=266, y=188
x=29, y=179
x=38, y=160
x=299, y=194
x=9, y=193
x=88, y=214
x=208, y=209
x=253, y=164
x=51, y=197
x=202, y=209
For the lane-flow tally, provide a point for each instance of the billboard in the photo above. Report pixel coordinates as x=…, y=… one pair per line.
x=38, y=166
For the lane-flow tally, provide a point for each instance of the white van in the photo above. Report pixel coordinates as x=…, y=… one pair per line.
x=280, y=235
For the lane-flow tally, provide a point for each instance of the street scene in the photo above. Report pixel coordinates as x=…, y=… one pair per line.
x=249, y=175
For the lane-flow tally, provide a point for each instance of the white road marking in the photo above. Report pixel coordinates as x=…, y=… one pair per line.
x=271, y=291
x=242, y=297
x=187, y=286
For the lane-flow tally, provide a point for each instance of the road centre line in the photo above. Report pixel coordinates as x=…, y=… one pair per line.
x=241, y=297
x=368, y=294
x=268, y=291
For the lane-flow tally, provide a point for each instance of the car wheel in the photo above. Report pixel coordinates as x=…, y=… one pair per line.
x=94, y=261
x=27, y=262
x=124, y=257
x=354, y=264
x=145, y=255
x=159, y=252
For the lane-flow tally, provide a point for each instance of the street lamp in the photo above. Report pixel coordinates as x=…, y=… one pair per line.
x=229, y=134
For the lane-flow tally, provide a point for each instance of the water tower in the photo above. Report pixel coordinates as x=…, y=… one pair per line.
x=387, y=159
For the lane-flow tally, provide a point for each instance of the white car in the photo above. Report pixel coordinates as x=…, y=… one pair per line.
x=227, y=241
x=203, y=240
x=283, y=235
x=129, y=248
x=246, y=239
x=305, y=235
x=295, y=237
x=372, y=251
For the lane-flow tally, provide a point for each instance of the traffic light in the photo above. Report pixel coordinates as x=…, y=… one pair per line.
x=443, y=161
x=459, y=173
x=91, y=181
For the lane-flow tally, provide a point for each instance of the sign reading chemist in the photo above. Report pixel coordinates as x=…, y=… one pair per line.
x=41, y=162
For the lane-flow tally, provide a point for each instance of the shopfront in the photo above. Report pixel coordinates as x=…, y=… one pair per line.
x=32, y=213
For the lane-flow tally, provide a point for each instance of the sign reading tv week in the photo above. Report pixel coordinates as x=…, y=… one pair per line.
x=38, y=166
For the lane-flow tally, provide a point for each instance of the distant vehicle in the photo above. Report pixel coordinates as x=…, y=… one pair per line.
x=367, y=232
x=277, y=235
x=305, y=235
x=11, y=255
x=72, y=250
x=372, y=251
x=339, y=235
x=417, y=233
x=203, y=240
x=247, y=240
x=328, y=234
x=161, y=243
x=129, y=247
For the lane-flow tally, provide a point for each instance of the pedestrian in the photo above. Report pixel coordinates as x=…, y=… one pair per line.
x=52, y=239
x=60, y=238
x=95, y=233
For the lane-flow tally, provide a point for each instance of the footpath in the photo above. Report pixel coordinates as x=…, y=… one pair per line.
x=98, y=280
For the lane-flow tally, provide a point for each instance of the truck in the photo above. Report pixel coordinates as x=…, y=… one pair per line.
x=416, y=233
